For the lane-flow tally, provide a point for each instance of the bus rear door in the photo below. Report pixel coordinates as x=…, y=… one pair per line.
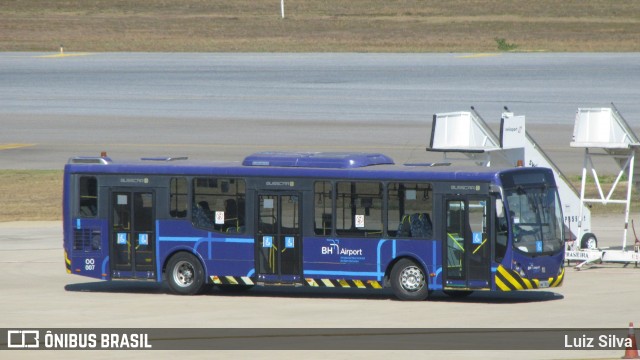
x=132, y=238
x=278, y=238
x=468, y=249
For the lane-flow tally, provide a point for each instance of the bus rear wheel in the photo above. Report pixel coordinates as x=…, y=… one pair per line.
x=408, y=281
x=185, y=274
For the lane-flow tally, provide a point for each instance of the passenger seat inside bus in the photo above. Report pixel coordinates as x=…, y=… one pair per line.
x=416, y=225
x=88, y=208
x=234, y=215
x=202, y=214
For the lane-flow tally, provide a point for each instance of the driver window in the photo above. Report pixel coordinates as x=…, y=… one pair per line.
x=501, y=231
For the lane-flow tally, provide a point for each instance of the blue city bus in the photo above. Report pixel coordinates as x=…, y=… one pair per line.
x=334, y=220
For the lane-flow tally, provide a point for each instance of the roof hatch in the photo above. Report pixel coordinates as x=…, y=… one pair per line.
x=335, y=160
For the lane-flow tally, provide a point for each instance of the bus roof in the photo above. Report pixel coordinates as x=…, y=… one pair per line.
x=288, y=164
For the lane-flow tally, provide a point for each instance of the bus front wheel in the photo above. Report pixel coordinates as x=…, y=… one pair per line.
x=185, y=274
x=408, y=281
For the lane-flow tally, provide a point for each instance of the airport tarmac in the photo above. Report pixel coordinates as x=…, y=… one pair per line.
x=225, y=106
x=38, y=293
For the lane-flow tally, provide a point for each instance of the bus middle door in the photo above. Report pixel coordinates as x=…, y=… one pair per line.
x=132, y=239
x=468, y=249
x=278, y=237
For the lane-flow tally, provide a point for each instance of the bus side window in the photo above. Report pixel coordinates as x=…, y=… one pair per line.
x=409, y=209
x=359, y=209
x=219, y=204
x=178, y=198
x=501, y=231
x=323, y=208
x=88, y=197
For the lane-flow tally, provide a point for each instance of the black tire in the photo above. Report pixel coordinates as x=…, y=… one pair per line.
x=185, y=274
x=409, y=281
x=589, y=241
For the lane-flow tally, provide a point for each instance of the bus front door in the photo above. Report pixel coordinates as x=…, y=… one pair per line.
x=132, y=240
x=468, y=249
x=278, y=238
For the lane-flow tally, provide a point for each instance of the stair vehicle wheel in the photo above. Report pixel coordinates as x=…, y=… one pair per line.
x=589, y=242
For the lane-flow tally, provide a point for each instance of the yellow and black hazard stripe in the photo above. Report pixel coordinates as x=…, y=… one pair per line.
x=343, y=283
x=232, y=280
x=510, y=280
x=557, y=281
x=67, y=262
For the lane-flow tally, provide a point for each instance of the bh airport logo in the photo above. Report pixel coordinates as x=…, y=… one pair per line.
x=334, y=249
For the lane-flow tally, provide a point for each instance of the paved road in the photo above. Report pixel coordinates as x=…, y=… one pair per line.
x=225, y=105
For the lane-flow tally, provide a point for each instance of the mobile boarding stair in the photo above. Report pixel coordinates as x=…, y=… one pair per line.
x=603, y=132
x=466, y=133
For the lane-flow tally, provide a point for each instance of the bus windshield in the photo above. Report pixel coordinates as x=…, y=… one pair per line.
x=536, y=219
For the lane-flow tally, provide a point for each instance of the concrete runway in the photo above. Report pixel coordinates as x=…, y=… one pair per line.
x=46, y=147
x=223, y=106
x=547, y=87
x=38, y=293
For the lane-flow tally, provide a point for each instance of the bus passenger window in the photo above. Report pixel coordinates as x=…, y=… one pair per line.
x=219, y=204
x=88, y=196
x=323, y=200
x=359, y=209
x=178, y=198
x=409, y=210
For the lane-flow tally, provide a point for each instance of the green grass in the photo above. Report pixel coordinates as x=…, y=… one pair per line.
x=606, y=182
x=503, y=45
x=318, y=25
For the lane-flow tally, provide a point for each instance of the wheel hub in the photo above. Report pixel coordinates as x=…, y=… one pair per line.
x=184, y=274
x=412, y=278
